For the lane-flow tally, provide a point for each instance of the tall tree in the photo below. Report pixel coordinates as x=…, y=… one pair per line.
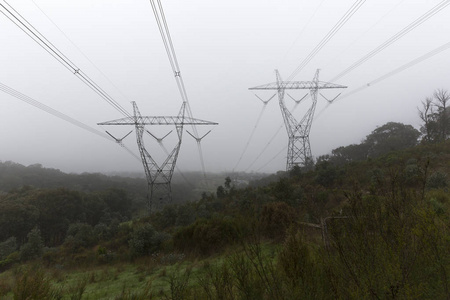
x=390, y=137
x=435, y=116
x=442, y=98
x=425, y=113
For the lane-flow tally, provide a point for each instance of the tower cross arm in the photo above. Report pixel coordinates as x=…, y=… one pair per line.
x=158, y=120
x=298, y=85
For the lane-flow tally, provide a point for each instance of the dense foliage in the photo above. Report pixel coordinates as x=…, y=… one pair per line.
x=369, y=221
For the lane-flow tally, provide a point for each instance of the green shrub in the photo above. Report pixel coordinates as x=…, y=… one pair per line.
x=33, y=283
x=33, y=248
x=79, y=236
x=7, y=247
x=145, y=240
x=206, y=236
x=437, y=180
x=276, y=218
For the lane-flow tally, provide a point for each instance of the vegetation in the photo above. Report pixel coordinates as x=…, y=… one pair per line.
x=370, y=221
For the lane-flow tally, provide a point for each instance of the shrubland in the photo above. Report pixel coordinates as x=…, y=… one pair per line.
x=368, y=221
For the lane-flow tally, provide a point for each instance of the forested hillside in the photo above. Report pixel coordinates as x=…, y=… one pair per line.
x=367, y=221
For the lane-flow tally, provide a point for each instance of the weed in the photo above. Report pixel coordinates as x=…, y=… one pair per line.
x=178, y=282
x=33, y=283
x=77, y=290
x=126, y=294
x=5, y=288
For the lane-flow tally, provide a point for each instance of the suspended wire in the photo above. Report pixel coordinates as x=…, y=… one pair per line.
x=303, y=29
x=393, y=72
x=8, y=90
x=353, y=9
x=265, y=147
x=344, y=19
x=40, y=39
x=79, y=50
x=364, y=33
x=395, y=38
x=271, y=140
x=273, y=158
x=407, y=29
x=363, y=87
x=251, y=135
x=170, y=51
x=411, y=63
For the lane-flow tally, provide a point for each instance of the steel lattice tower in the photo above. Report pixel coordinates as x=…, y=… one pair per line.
x=158, y=176
x=299, y=148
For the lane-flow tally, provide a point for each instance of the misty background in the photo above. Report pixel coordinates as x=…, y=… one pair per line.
x=223, y=49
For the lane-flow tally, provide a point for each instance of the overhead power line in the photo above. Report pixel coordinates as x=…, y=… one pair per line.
x=395, y=38
x=344, y=19
x=363, y=34
x=251, y=136
x=171, y=54
x=272, y=159
x=265, y=147
x=271, y=140
x=15, y=17
x=393, y=72
x=8, y=90
x=79, y=50
x=304, y=28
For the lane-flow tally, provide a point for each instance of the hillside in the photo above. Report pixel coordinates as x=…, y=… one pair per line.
x=376, y=228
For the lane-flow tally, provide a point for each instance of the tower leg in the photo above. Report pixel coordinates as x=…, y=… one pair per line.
x=160, y=193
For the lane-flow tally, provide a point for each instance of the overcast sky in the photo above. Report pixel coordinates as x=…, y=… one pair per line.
x=223, y=48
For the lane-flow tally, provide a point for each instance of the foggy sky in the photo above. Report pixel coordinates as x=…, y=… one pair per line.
x=224, y=48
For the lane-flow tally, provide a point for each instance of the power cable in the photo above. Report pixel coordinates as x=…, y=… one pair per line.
x=304, y=28
x=8, y=90
x=161, y=21
x=363, y=34
x=265, y=147
x=363, y=87
x=79, y=50
x=251, y=136
x=393, y=72
x=395, y=38
x=40, y=39
x=273, y=158
x=344, y=19
x=270, y=140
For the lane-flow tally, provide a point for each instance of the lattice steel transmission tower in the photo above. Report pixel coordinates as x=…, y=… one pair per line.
x=159, y=176
x=299, y=148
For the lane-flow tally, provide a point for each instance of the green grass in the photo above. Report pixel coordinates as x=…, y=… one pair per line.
x=159, y=276
x=109, y=282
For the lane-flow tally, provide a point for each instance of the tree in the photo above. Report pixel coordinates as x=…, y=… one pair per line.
x=34, y=247
x=353, y=152
x=435, y=116
x=145, y=240
x=391, y=136
x=425, y=114
x=442, y=98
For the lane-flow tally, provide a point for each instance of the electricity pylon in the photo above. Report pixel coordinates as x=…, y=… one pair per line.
x=159, y=176
x=299, y=148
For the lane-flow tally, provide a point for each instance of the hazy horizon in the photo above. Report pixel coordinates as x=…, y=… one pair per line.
x=223, y=49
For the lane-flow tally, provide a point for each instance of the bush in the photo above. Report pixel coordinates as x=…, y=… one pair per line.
x=7, y=247
x=437, y=180
x=145, y=240
x=33, y=248
x=79, y=236
x=206, y=236
x=34, y=284
x=276, y=218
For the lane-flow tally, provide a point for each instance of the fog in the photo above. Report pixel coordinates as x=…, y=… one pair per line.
x=223, y=48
